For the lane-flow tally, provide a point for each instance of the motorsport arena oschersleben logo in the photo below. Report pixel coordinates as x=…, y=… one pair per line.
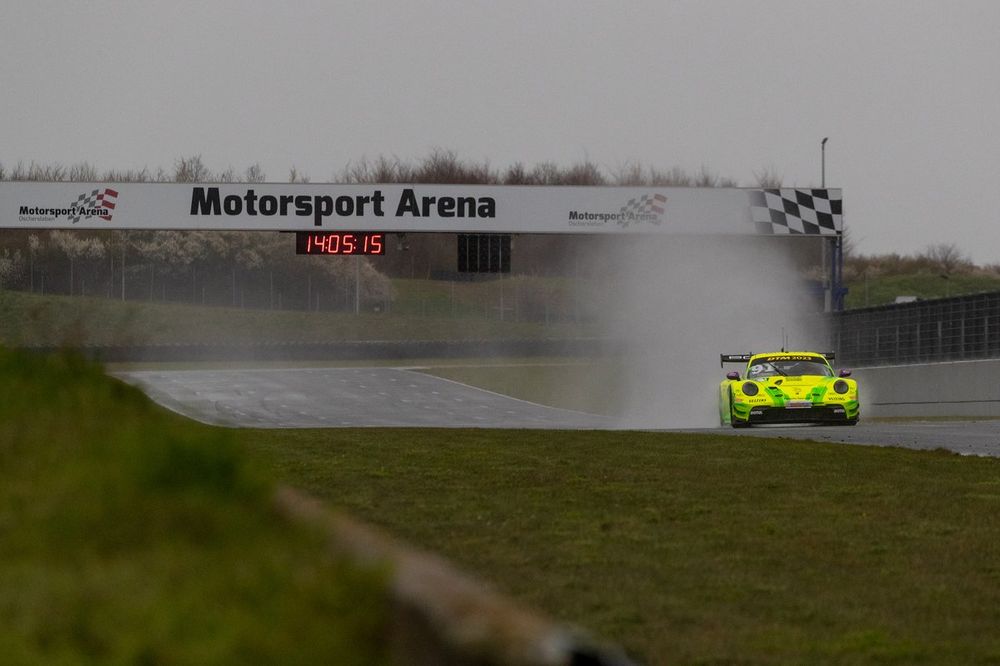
x=96, y=203
x=648, y=209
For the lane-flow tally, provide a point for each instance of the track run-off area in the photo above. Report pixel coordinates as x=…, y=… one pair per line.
x=406, y=397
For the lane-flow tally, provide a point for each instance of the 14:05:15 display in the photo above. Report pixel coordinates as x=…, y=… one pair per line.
x=337, y=242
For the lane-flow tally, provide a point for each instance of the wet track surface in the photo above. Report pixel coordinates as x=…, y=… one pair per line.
x=977, y=438
x=396, y=397
x=345, y=397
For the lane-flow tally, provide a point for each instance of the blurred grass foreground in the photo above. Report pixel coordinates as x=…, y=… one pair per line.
x=128, y=535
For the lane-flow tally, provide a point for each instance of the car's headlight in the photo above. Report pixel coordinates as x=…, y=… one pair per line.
x=750, y=388
x=840, y=386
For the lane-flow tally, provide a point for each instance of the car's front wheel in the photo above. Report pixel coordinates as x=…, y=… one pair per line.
x=736, y=423
x=733, y=421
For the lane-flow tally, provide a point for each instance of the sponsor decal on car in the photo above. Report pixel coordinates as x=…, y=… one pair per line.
x=789, y=357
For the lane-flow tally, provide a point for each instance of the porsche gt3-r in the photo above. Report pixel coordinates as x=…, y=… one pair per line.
x=787, y=387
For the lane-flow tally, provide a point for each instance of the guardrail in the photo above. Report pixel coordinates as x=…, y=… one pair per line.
x=946, y=389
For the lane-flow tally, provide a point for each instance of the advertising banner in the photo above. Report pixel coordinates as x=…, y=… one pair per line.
x=420, y=208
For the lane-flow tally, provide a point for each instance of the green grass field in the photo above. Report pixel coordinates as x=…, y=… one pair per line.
x=692, y=549
x=884, y=289
x=33, y=319
x=129, y=535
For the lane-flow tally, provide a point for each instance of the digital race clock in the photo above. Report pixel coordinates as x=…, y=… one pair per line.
x=339, y=242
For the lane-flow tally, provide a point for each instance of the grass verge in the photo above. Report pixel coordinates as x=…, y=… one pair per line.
x=129, y=535
x=132, y=535
x=881, y=290
x=687, y=548
x=76, y=320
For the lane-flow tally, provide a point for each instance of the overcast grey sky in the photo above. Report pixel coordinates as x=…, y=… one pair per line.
x=907, y=91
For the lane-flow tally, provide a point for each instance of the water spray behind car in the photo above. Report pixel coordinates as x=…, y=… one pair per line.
x=678, y=302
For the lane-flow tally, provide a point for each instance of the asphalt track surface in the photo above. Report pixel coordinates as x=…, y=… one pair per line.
x=971, y=438
x=400, y=397
x=345, y=397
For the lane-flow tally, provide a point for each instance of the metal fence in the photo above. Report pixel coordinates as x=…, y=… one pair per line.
x=944, y=329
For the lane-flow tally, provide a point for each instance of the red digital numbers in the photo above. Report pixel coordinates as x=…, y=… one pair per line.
x=339, y=243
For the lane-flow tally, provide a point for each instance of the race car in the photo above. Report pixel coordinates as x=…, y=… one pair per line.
x=787, y=387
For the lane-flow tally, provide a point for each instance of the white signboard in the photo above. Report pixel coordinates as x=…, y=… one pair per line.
x=420, y=208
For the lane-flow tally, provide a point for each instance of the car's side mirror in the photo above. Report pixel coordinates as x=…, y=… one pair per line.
x=733, y=375
x=845, y=373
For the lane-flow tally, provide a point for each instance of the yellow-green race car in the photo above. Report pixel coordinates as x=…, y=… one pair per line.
x=787, y=387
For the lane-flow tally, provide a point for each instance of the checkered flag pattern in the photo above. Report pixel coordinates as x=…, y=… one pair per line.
x=645, y=205
x=106, y=199
x=797, y=211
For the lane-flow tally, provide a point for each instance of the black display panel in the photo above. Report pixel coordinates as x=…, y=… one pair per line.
x=484, y=253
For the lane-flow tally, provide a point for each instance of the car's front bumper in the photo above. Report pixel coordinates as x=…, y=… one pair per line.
x=814, y=414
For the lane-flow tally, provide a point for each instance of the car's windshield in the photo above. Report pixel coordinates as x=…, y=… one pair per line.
x=787, y=368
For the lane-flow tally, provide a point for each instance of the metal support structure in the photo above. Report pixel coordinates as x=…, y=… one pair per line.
x=357, y=284
x=833, y=297
x=837, y=290
x=822, y=161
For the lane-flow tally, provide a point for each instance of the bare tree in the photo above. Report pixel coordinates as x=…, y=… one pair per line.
x=127, y=176
x=515, y=175
x=545, y=173
x=768, y=177
x=83, y=172
x=946, y=258
x=37, y=172
x=296, y=176
x=383, y=170
x=675, y=177
x=254, y=174
x=191, y=170
x=583, y=173
x=705, y=178
x=629, y=174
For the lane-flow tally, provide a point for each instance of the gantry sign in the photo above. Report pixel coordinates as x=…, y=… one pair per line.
x=415, y=208
x=421, y=208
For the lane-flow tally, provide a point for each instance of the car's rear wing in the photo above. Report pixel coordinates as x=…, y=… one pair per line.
x=733, y=358
x=744, y=358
